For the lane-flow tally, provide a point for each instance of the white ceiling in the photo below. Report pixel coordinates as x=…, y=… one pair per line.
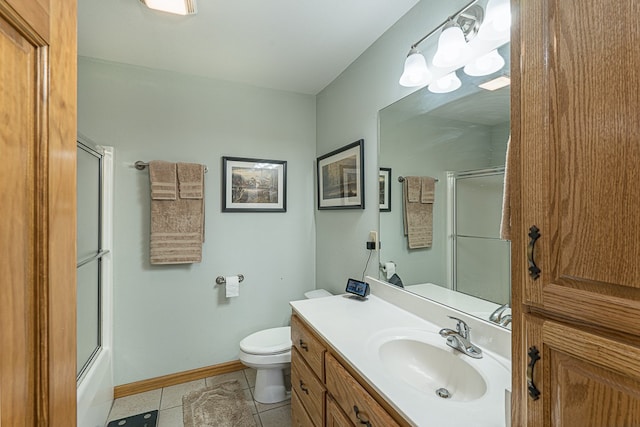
x=293, y=45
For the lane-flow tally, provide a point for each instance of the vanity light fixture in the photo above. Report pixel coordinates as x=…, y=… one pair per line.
x=415, y=72
x=459, y=28
x=497, y=83
x=177, y=7
x=497, y=22
x=485, y=65
x=452, y=46
x=446, y=84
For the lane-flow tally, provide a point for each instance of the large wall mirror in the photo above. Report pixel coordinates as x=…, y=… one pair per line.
x=460, y=139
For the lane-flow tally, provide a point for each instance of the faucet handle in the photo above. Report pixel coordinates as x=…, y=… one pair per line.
x=462, y=328
x=496, y=316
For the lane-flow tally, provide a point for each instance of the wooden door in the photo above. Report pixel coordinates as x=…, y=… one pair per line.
x=37, y=207
x=576, y=133
x=578, y=380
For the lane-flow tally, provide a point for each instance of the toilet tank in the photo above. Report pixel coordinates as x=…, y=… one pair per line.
x=317, y=293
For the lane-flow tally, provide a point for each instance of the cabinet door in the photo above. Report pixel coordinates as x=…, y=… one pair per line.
x=335, y=416
x=37, y=207
x=578, y=381
x=576, y=146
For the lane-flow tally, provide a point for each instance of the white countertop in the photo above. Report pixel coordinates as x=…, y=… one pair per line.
x=349, y=325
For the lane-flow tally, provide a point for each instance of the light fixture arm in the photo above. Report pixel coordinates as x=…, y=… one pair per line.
x=450, y=18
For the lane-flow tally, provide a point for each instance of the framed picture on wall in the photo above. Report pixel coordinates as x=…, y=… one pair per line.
x=254, y=185
x=340, y=178
x=384, y=189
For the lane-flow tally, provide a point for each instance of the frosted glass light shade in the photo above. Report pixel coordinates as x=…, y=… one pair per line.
x=485, y=65
x=452, y=47
x=497, y=21
x=448, y=83
x=415, y=72
x=177, y=7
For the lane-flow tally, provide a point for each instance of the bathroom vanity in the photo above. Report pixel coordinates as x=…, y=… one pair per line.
x=355, y=362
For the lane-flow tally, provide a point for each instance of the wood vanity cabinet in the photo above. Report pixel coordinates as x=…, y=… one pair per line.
x=575, y=202
x=326, y=392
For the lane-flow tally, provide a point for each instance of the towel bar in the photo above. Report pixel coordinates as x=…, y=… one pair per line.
x=220, y=280
x=140, y=165
x=401, y=179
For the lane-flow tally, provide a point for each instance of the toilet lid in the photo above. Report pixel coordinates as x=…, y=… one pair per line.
x=268, y=341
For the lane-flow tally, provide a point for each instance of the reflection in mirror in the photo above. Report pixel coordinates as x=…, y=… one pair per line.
x=459, y=138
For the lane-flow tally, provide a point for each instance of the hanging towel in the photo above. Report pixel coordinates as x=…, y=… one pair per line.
x=163, y=180
x=413, y=188
x=177, y=230
x=418, y=216
x=428, y=192
x=191, y=180
x=505, y=220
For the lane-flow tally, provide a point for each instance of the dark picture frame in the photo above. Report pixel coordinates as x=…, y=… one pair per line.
x=384, y=189
x=254, y=185
x=340, y=178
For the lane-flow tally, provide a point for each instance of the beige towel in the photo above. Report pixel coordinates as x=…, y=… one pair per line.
x=505, y=220
x=163, y=180
x=191, y=180
x=414, y=187
x=177, y=230
x=428, y=192
x=418, y=216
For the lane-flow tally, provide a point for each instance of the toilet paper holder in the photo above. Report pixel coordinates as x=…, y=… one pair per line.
x=220, y=280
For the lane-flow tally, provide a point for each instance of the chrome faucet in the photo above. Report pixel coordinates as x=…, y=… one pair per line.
x=500, y=315
x=460, y=339
x=496, y=316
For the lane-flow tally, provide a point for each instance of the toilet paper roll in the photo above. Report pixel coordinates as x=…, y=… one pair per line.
x=390, y=269
x=232, y=285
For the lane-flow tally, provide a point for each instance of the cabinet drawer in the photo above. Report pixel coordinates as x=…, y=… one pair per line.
x=308, y=388
x=308, y=345
x=299, y=416
x=349, y=395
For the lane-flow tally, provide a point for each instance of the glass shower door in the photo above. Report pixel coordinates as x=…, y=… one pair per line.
x=481, y=260
x=89, y=241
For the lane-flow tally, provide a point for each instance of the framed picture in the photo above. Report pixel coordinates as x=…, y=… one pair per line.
x=254, y=185
x=340, y=176
x=384, y=189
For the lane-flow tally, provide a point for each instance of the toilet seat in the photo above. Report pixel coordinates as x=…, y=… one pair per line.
x=268, y=341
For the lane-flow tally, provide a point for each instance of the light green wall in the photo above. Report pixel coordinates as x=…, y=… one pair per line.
x=170, y=319
x=347, y=110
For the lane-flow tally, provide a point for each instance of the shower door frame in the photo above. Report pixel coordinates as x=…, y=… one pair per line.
x=452, y=177
x=95, y=382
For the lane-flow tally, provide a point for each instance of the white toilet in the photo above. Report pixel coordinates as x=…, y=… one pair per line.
x=269, y=352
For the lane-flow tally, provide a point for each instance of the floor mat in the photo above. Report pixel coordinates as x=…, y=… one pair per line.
x=146, y=419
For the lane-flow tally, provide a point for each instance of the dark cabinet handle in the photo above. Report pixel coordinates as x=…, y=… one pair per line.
x=534, y=234
x=303, y=345
x=534, y=356
x=362, y=421
x=303, y=388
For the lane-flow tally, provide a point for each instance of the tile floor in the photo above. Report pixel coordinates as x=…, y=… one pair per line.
x=169, y=402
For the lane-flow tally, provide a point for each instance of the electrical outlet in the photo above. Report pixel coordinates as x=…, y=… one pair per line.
x=372, y=243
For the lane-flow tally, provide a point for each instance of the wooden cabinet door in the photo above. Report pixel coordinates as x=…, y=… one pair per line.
x=335, y=416
x=576, y=146
x=37, y=211
x=585, y=378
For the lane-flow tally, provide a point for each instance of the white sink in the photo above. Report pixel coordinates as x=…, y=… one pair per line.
x=432, y=370
x=422, y=361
